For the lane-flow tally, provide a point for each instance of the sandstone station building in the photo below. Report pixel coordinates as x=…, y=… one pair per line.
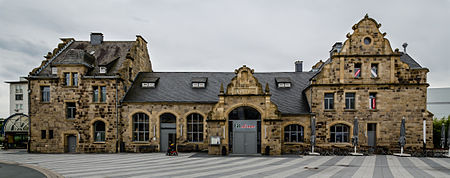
x=102, y=96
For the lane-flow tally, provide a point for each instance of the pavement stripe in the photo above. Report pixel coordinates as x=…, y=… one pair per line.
x=427, y=168
x=148, y=168
x=295, y=164
x=258, y=172
x=333, y=169
x=321, y=167
x=411, y=168
x=396, y=167
x=216, y=172
x=351, y=168
x=442, y=168
x=111, y=166
x=296, y=170
x=256, y=169
x=445, y=162
x=367, y=167
x=381, y=167
x=193, y=168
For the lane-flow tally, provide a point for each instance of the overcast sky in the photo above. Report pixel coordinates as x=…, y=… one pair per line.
x=221, y=35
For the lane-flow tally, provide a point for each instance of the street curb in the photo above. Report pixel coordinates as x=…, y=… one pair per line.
x=46, y=172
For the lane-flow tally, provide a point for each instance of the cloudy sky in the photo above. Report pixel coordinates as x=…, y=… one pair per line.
x=221, y=35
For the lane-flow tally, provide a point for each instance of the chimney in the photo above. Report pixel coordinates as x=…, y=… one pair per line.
x=96, y=38
x=298, y=66
x=336, y=48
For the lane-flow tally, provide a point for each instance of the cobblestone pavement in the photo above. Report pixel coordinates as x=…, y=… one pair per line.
x=200, y=165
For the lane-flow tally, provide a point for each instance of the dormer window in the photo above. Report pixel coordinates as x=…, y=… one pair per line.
x=283, y=82
x=103, y=70
x=148, y=85
x=199, y=82
x=149, y=82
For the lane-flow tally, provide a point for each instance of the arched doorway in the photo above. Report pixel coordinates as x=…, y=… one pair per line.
x=244, y=125
x=168, y=130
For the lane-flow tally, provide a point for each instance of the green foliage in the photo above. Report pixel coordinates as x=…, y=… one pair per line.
x=437, y=124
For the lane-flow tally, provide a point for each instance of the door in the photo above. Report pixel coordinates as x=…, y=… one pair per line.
x=245, y=137
x=71, y=143
x=372, y=134
x=168, y=135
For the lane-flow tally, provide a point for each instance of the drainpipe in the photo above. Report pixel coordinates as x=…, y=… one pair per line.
x=29, y=118
x=117, y=119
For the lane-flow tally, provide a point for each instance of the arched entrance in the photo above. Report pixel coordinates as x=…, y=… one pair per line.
x=244, y=125
x=168, y=130
x=15, y=131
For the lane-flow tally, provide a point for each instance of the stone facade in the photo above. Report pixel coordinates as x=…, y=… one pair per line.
x=51, y=116
x=282, y=104
x=400, y=91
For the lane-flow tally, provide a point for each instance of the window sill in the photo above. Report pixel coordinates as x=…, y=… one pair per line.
x=294, y=143
x=44, y=102
x=350, y=110
x=70, y=119
x=373, y=110
x=329, y=110
x=340, y=144
x=103, y=142
x=140, y=142
x=72, y=86
x=375, y=78
x=99, y=103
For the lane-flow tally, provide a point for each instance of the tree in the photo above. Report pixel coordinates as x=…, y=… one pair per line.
x=437, y=124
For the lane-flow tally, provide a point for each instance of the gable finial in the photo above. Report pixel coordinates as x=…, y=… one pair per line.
x=221, y=88
x=267, y=88
x=366, y=16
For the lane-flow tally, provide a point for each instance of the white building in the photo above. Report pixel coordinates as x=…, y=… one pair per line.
x=18, y=96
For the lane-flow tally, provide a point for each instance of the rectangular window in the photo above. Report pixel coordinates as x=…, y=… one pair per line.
x=358, y=71
x=374, y=70
x=99, y=94
x=95, y=94
x=20, y=106
x=43, y=134
x=103, y=94
x=19, y=96
x=373, y=100
x=71, y=110
x=50, y=134
x=66, y=79
x=19, y=89
x=74, y=79
x=45, y=94
x=329, y=100
x=350, y=101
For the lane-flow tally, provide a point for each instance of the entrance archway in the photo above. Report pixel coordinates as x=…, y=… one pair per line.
x=244, y=131
x=168, y=130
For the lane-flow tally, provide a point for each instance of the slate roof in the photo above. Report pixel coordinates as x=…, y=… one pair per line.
x=410, y=61
x=176, y=87
x=109, y=53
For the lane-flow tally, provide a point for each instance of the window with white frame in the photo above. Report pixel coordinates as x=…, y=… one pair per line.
x=99, y=131
x=339, y=133
x=349, y=100
x=141, y=131
x=45, y=94
x=329, y=101
x=293, y=133
x=195, y=127
x=372, y=100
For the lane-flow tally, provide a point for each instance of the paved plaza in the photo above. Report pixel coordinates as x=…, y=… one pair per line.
x=202, y=165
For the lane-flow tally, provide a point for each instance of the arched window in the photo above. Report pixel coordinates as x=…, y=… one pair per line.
x=99, y=131
x=195, y=127
x=339, y=133
x=140, y=127
x=293, y=133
